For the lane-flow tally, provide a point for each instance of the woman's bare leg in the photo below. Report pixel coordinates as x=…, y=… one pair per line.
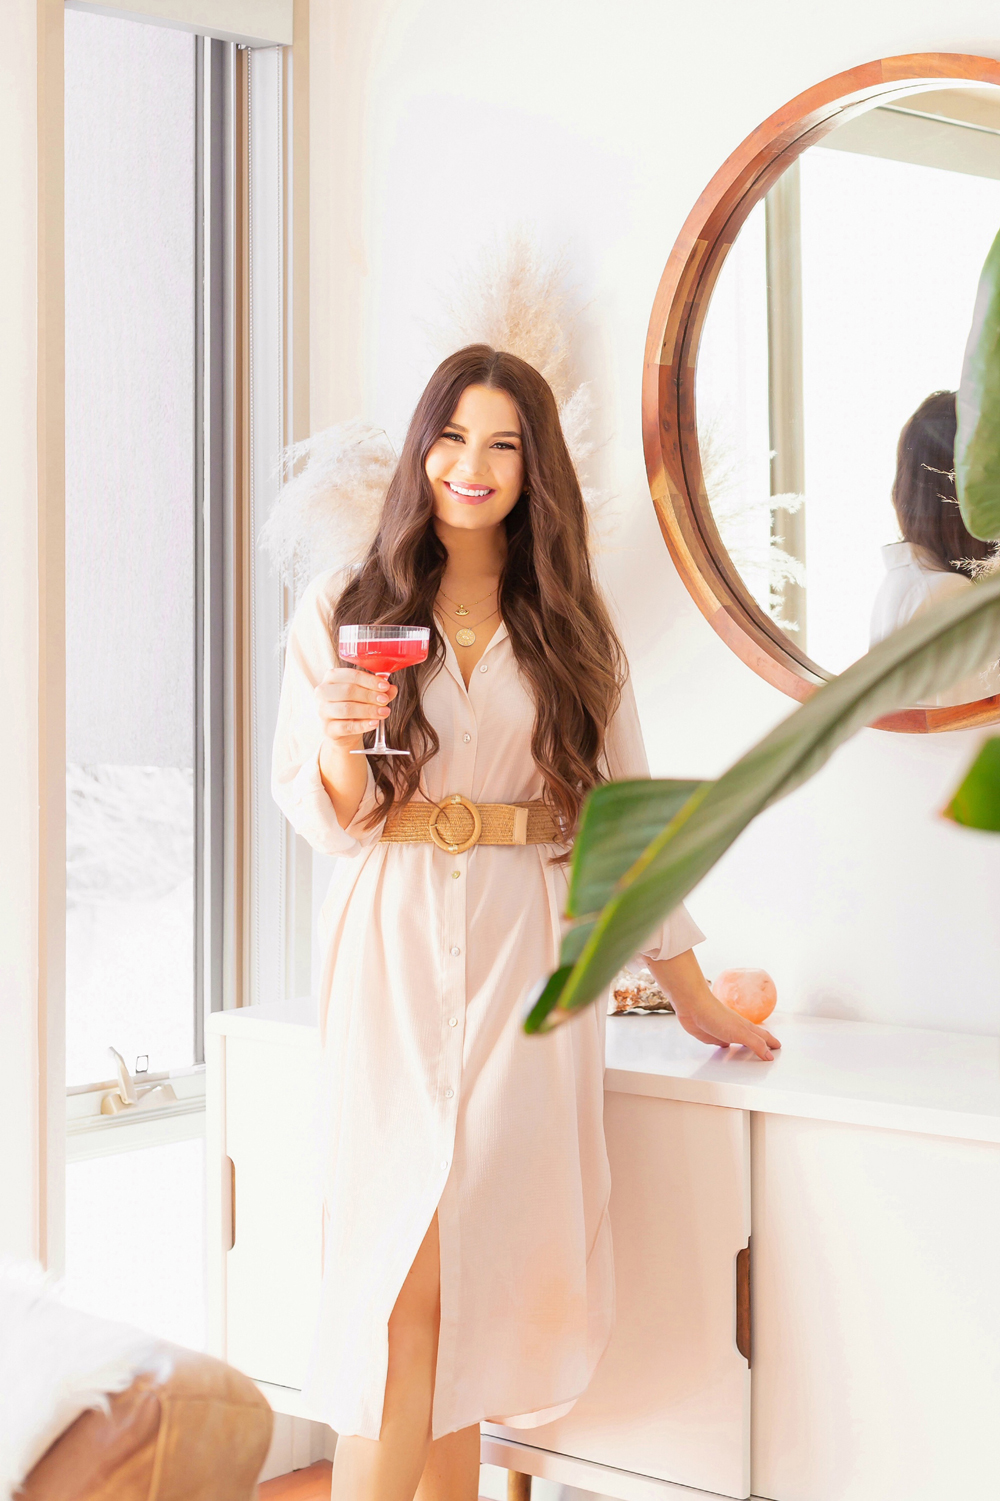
x=452, y=1469
x=389, y=1468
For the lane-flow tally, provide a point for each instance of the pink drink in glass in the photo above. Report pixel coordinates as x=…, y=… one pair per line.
x=382, y=649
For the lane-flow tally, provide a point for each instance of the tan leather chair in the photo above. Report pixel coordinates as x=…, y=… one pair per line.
x=200, y=1435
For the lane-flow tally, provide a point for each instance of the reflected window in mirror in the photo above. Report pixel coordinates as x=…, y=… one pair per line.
x=844, y=303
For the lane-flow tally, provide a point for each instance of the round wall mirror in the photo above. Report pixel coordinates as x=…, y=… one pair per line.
x=804, y=350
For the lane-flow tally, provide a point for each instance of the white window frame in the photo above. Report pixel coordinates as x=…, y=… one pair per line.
x=245, y=901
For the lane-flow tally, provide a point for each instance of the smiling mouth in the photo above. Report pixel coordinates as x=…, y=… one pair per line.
x=469, y=494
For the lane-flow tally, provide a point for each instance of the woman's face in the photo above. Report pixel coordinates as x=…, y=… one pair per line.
x=476, y=467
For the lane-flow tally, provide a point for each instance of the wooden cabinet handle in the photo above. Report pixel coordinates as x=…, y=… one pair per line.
x=232, y=1203
x=743, y=1302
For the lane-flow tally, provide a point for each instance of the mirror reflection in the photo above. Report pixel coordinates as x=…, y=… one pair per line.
x=831, y=353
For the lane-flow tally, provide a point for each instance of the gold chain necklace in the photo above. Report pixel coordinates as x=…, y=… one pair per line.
x=465, y=609
x=466, y=636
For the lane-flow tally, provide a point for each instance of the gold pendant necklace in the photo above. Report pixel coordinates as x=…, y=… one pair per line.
x=467, y=636
x=466, y=609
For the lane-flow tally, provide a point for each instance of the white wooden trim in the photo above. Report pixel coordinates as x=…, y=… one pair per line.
x=270, y=835
x=19, y=607
x=158, y=1129
x=32, y=756
x=218, y=1206
x=255, y=23
x=91, y=1134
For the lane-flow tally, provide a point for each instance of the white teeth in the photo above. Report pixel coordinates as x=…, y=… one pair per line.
x=460, y=490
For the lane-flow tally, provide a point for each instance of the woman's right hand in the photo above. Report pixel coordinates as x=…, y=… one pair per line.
x=350, y=702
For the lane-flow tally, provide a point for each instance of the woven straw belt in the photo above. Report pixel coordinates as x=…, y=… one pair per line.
x=455, y=824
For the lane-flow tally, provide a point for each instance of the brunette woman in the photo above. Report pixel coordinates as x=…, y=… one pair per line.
x=468, y=1270
x=938, y=555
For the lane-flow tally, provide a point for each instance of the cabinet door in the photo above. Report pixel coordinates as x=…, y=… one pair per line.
x=876, y=1308
x=273, y=1270
x=671, y=1398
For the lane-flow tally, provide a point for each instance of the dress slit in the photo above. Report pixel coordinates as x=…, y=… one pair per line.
x=437, y=1352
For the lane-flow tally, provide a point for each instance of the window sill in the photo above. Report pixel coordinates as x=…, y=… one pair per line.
x=91, y=1134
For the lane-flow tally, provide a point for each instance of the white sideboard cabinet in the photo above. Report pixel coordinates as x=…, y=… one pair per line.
x=862, y=1169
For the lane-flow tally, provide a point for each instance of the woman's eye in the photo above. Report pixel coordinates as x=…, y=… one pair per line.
x=506, y=445
x=455, y=437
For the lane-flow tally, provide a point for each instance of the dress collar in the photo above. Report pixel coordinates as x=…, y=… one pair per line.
x=451, y=656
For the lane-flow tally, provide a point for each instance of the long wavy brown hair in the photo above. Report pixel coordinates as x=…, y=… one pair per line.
x=560, y=631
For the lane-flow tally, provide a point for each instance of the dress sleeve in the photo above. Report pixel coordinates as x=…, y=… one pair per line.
x=625, y=759
x=296, y=783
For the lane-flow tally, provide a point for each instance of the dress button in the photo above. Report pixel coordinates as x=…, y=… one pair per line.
x=449, y=1094
x=455, y=875
x=455, y=952
x=483, y=667
x=444, y=1167
x=453, y=1021
x=466, y=737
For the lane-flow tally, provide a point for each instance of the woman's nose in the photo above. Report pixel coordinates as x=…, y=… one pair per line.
x=471, y=462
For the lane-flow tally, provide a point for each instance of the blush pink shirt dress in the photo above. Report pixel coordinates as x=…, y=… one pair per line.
x=434, y=1099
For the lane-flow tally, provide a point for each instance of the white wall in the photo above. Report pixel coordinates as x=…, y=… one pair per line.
x=439, y=124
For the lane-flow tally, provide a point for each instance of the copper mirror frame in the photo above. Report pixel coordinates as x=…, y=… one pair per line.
x=670, y=433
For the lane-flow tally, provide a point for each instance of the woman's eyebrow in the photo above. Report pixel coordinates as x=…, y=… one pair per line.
x=460, y=429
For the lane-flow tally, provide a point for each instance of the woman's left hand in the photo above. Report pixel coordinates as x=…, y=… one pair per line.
x=701, y=1014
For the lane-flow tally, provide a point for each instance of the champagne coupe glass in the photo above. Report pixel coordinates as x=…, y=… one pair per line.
x=382, y=649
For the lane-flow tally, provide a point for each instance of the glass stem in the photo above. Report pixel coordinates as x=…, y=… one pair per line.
x=379, y=743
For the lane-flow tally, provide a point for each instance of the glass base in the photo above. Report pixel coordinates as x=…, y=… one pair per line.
x=375, y=750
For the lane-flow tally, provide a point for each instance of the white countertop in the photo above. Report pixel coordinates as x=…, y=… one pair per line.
x=902, y=1078
x=295, y=1022
x=905, y=1078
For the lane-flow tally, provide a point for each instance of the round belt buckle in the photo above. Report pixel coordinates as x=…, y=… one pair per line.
x=453, y=800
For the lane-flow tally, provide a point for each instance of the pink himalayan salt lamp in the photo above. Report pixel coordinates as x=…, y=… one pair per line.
x=751, y=992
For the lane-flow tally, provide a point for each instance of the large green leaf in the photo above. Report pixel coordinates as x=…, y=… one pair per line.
x=619, y=820
x=933, y=651
x=976, y=803
x=977, y=444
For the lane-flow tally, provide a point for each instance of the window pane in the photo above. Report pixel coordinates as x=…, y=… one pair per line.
x=130, y=456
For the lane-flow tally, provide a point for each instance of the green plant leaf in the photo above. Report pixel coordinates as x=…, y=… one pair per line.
x=976, y=802
x=933, y=651
x=619, y=821
x=977, y=442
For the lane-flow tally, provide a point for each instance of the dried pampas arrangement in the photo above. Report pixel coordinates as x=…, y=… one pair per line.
x=326, y=516
x=514, y=300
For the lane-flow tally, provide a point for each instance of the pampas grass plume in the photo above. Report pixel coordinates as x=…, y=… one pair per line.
x=327, y=515
x=513, y=300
